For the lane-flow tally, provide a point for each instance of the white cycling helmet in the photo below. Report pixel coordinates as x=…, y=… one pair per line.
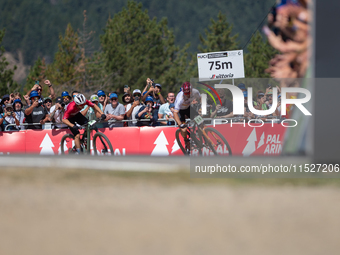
x=80, y=99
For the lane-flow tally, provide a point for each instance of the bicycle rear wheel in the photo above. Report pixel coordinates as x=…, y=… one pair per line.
x=67, y=144
x=216, y=144
x=102, y=145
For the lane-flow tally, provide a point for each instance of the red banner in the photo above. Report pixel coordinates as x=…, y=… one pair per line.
x=155, y=141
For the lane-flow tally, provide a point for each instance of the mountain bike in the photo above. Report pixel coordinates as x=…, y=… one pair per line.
x=101, y=144
x=203, y=141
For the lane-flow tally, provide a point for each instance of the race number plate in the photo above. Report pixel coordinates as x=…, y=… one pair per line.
x=199, y=120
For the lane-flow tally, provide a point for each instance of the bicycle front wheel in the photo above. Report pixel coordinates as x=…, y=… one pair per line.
x=67, y=144
x=216, y=144
x=102, y=145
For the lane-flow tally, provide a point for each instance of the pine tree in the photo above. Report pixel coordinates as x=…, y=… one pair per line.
x=218, y=36
x=7, y=85
x=136, y=47
x=257, y=59
x=36, y=73
x=64, y=71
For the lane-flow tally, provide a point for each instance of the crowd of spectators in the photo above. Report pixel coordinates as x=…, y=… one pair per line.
x=139, y=108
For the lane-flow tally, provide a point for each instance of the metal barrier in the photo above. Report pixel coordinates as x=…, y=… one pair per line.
x=51, y=125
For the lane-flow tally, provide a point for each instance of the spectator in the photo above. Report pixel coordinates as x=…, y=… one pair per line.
x=36, y=113
x=223, y=111
x=154, y=92
x=48, y=104
x=37, y=87
x=114, y=111
x=74, y=93
x=127, y=99
x=66, y=97
x=57, y=113
x=133, y=108
x=20, y=115
x=88, y=112
x=261, y=101
x=242, y=87
x=9, y=117
x=103, y=98
x=147, y=112
x=5, y=100
x=170, y=115
x=164, y=109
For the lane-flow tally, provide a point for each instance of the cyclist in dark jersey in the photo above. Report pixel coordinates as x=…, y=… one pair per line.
x=72, y=115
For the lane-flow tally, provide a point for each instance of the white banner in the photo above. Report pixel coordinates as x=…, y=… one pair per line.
x=220, y=65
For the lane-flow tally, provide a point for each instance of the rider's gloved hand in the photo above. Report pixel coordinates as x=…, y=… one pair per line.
x=75, y=130
x=183, y=126
x=103, y=117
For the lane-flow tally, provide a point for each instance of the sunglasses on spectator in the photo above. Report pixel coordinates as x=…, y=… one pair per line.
x=65, y=97
x=39, y=89
x=48, y=101
x=9, y=109
x=136, y=95
x=113, y=99
x=101, y=96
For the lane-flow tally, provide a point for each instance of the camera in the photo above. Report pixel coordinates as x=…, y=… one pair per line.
x=153, y=83
x=136, y=98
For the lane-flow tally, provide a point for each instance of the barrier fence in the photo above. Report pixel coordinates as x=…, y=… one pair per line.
x=244, y=140
x=207, y=121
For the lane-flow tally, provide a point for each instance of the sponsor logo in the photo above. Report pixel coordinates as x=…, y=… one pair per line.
x=218, y=55
x=202, y=56
x=221, y=76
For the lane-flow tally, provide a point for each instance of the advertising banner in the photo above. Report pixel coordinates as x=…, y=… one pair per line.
x=153, y=141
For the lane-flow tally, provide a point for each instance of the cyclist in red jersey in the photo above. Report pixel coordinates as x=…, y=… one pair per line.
x=72, y=115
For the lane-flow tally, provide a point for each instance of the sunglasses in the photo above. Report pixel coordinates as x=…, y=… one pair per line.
x=101, y=96
x=136, y=95
x=65, y=97
x=9, y=109
x=39, y=89
x=48, y=101
x=113, y=99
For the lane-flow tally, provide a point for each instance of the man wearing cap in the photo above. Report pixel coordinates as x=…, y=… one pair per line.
x=8, y=117
x=20, y=115
x=147, y=112
x=57, y=113
x=114, y=111
x=133, y=108
x=66, y=97
x=88, y=112
x=36, y=113
x=155, y=92
x=164, y=109
x=102, y=98
x=242, y=87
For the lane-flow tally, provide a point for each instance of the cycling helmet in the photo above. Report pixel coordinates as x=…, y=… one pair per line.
x=186, y=88
x=34, y=93
x=148, y=99
x=65, y=94
x=80, y=99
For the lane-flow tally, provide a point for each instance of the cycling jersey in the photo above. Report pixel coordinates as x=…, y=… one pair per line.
x=182, y=101
x=71, y=109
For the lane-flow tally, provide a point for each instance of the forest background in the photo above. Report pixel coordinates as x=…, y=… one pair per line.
x=121, y=42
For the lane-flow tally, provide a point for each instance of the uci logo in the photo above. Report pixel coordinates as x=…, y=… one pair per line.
x=202, y=56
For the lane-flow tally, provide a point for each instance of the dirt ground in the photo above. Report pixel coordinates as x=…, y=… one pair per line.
x=84, y=212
